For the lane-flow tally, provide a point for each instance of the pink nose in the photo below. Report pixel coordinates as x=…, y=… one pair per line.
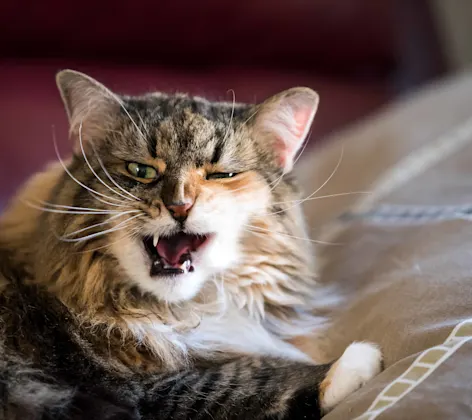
x=179, y=211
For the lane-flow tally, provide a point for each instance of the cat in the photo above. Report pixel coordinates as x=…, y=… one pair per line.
x=161, y=270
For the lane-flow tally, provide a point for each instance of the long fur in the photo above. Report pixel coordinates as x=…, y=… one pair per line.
x=88, y=332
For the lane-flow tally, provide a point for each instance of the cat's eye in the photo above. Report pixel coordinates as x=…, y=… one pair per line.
x=221, y=175
x=139, y=170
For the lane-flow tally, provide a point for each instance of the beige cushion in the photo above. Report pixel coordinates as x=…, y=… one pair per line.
x=403, y=257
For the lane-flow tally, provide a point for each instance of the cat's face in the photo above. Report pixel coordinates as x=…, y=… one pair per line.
x=179, y=180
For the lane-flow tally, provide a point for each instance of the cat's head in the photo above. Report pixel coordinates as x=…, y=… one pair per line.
x=173, y=183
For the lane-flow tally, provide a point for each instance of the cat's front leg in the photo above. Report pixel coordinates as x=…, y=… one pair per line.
x=260, y=388
x=359, y=363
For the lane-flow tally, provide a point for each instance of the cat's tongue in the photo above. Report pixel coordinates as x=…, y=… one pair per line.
x=176, y=249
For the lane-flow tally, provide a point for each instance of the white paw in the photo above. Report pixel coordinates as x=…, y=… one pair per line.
x=359, y=363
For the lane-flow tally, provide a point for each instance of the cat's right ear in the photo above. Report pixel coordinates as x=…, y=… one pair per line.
x=90, y=106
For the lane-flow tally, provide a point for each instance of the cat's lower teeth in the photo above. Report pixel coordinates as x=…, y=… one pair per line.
x=162, y=268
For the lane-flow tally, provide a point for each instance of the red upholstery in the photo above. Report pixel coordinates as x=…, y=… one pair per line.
x=255, y=47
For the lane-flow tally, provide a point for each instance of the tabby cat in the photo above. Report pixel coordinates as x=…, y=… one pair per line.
x=160, y=272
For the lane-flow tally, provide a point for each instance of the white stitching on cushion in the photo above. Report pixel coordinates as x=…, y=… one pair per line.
x=427, y=362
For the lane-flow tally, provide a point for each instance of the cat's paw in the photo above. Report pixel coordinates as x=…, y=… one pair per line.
x=359, y=363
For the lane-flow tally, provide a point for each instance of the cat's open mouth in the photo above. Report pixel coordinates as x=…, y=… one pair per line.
x=173, y=255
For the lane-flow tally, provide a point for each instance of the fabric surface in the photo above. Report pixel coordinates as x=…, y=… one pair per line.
x=403, y=257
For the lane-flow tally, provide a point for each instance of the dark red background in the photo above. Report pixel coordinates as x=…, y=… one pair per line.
x=357, y=54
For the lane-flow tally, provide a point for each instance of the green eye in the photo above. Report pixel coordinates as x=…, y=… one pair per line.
x=221, y=175
x=141, y=171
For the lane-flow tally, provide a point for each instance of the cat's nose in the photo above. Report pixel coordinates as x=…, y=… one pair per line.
x=180, y=210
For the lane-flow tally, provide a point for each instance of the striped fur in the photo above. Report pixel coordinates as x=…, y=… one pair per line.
x=87, y=333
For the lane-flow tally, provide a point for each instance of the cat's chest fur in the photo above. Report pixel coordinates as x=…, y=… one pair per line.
x=236, y=331
x=232, y=331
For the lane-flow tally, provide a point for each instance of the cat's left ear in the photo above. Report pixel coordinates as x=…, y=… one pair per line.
x=90, y=106
x=283, y=122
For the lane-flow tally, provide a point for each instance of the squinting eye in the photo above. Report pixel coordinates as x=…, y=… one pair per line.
x=141, y=171
x=220, y=175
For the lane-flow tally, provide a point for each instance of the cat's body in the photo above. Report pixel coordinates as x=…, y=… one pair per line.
x=158, y=273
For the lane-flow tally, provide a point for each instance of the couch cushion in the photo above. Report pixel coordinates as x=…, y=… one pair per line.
x=403, y=255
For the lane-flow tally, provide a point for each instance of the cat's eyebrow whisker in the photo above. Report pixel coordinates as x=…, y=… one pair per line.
x=119, y=226
x=250, y=117
x=93, y=170
x=321, y=197
x=338, y=164
x=110, y=219
x=71, y=211
x=258, y=229
x=232, y=115
x=122, y=105
x=110, y=177
x=142, y=123
x=56, y=148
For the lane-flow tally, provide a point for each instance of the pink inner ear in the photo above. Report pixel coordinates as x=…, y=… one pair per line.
x=287, y=147
x=302, y=117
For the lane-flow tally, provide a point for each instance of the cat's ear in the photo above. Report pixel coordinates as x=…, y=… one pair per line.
x=283, y=121
x=90, y=106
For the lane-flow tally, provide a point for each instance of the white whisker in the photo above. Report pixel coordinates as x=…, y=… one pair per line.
x=122, y=105
x=56, y=148
x=93, y=170
x=119, y=226
x=116, y=216
x=30, y=204
x=321, y=197
x=232, y=115
x=110, y=177
x=133, y=232
x=280, y=178
x=142, y=123
x=61, y=206
x=251, y=116
x=259, y=230
x=123, y=203
x=338, y=164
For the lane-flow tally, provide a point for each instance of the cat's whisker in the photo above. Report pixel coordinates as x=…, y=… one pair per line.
x=122, y=105
x=273, y=185
x=250, y=117
x=61, y=206
x=110, y=219
x=338, y=164
x=70, y=211
x=109, y=130
x=56, y=148
x=258, y=229
x=143, y=123
x=110, y=177
x=232, y=115
x=93, y=170
x=119, y=226
x=129, y=235
x=123, y=203
x=321, y=197
x=280, y=178
x=302, y=150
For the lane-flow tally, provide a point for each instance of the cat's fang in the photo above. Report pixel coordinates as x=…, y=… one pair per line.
x=186, y=266
x=155, y=240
